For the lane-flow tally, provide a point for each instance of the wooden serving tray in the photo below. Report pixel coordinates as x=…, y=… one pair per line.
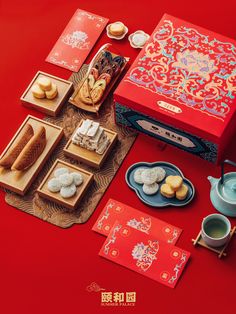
x=75, y=100
x=69, y=118
x=90, y=158
x=73, y=201
x=49, y=106
x=20, y=181
x=219, y=250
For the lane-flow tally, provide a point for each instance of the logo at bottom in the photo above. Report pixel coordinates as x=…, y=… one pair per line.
x=109, y=298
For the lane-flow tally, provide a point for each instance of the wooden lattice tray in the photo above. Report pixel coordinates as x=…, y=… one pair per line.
x=219, y=250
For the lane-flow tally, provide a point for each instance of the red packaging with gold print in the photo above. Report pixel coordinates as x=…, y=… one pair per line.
x=145, y=254
x=135, y=219
x=77, y=40
x=181, y=89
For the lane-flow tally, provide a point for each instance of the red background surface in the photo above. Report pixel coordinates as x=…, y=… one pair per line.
x=45, y=269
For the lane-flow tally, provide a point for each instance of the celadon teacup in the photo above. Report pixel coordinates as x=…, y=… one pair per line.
x=215, y=230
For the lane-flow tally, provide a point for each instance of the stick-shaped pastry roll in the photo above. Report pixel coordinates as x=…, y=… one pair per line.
x=13, y=152
x=31, y=151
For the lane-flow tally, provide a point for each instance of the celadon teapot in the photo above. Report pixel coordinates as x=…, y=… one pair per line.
x=223, y=191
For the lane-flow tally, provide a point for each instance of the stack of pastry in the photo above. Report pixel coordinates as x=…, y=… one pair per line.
x=174, y=187
x=44, y=88
x=25, y=150
x=149, y=178
x=65, y=182
x=91, y=135
x=105, y=68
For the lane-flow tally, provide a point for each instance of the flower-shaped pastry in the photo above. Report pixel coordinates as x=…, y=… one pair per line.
x=138, y=39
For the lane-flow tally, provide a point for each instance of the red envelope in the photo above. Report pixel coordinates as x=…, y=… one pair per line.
x=145, y=254
x=77, y=40
x=136, y=219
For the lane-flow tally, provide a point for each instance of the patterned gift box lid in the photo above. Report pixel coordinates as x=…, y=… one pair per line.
x=187, y=75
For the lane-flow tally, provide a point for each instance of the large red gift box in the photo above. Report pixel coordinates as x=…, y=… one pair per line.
x=181, y=89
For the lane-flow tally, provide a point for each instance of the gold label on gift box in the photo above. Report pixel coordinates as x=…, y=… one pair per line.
x=169, y=107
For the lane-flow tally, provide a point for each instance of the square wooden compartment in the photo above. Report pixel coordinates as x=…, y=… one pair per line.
x=90, y=158
x=49, y=106
x=72, y=202
x=20, y=181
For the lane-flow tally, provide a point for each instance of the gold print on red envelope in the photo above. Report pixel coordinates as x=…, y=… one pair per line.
x=144, y=224
x=112, y=240
x=145, y=254
x=182, y=63
x=77, y=40
x=135, y=219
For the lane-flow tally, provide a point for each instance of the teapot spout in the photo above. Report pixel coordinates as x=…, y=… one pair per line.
x=213, y=181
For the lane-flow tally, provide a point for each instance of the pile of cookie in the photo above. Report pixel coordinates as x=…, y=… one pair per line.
x=44, y=88
x=174, y=187
x=64, y=182
x=103, y=71
x=150, y=178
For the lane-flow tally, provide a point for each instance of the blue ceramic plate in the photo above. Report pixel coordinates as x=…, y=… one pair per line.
x=157, y=200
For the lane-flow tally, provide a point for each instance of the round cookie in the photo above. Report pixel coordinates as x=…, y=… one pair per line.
x=149, y=176
x=167, y=191
x=78, y=178
x=44, y=83
x=182, y=192
x=60, y=171
x=68, y=191
x=54, y=185
x=66, y=179
x=137, y=175
x=52, y=93
x=175, y=182
x=117, y=29
x=161, y=173
x=37, y=91
x=150, y=189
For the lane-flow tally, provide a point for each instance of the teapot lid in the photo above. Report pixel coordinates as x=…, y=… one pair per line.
x=228, y=189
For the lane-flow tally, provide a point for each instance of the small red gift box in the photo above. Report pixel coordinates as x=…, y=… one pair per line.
x=181, y=89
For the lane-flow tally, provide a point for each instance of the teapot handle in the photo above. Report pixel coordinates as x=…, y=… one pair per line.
x=226, y=161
